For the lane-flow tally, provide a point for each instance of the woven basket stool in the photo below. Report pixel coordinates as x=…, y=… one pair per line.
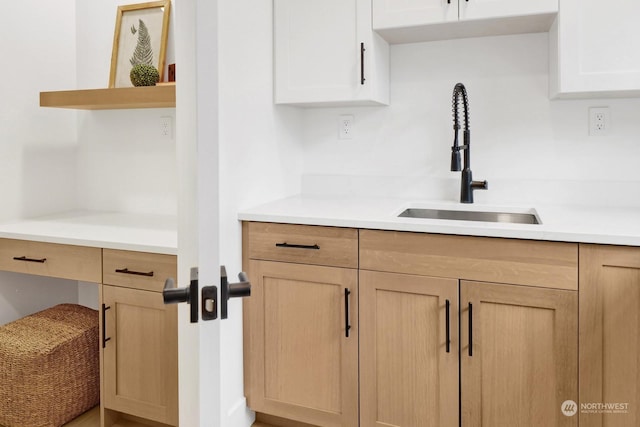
x=49, y=367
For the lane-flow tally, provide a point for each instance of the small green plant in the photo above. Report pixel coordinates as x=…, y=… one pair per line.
x=144, y=75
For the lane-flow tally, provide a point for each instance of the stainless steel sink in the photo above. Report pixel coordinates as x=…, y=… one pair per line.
x=504, y=217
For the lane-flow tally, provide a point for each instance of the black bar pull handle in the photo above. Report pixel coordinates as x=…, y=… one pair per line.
x=347, y=326
x=470, y=329
x=448, y=325
x=24, y=258
x=362, y=49
x=289, y=245
x=104, y=325
x=136, y=273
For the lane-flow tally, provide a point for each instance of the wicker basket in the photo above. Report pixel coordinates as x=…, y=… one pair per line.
x=49, y=367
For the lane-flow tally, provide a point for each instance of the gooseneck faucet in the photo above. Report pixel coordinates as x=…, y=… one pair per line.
x=468, y=185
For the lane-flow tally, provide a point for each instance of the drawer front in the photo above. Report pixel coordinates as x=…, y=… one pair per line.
x=138, y=270
x=520, y=262
x=51, y=259
x=304, y=244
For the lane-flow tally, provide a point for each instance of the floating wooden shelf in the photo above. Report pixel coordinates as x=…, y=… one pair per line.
x=112, y=98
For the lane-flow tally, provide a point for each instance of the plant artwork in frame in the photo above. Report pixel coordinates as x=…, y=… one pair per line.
x=140, y=38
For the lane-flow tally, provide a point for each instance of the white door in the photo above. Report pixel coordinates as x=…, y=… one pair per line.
x=210, y=390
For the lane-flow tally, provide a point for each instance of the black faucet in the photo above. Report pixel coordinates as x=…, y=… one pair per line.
x=468, y=184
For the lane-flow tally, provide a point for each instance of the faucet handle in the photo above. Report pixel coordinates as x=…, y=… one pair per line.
x=480, y=185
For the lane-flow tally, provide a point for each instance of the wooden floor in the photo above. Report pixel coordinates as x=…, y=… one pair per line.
x=88, y=419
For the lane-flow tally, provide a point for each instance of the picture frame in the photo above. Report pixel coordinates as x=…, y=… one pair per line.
x=140, y=37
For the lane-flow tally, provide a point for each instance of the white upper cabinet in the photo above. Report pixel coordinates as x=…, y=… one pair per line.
x=326, y=53
x=404, y=21
x=410, y=13
x=487, y=9
x=595, y=49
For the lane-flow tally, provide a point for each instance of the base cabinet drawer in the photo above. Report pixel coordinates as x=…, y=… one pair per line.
x=51, y=259
x=138, y=270
x=303, y=244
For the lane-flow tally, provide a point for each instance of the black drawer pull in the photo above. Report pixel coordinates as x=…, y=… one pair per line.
x=136, y=273
x=287, y=245
x=104, y=325
x=24, y=258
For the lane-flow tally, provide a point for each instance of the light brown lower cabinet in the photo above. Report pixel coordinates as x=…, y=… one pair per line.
x=519, y=354
x=517, y=366
x=439, y=344
x=408, y=372
x=303, y=357
x=609, y=336
x=140, y=357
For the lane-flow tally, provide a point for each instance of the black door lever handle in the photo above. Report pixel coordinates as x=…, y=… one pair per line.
x=232, y=290
x=173, y=295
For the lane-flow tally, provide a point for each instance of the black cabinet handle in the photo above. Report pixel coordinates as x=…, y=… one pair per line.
x=362, y=49
x=470, y=329
x=104, y=325
x=288, y=245
x=448, y=325
x=136, y=273
x=347, y=326
x=24, y=258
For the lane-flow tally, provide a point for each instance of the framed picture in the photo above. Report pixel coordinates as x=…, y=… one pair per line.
x=140, y=38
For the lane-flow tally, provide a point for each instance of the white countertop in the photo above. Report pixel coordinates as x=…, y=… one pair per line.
x=604, y=225
x=134, y=232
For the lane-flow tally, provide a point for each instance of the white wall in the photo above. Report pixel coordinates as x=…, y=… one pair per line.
x=37, y=146
x=529, y=148
x=123, y=164
x=260, y=155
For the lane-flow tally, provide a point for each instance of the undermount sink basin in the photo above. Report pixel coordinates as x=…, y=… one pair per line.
x=504, y=217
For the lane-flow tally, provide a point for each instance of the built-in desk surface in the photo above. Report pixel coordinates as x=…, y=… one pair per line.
x=110, y=230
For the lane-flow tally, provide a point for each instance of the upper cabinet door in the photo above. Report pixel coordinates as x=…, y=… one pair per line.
x=409, y=21
x=597, y=46
x=483, y=9
x=406, y=13
x=326, y=53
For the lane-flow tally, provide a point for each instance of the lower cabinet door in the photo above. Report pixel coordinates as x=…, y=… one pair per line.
x=303, y=358
x=141, y=355
x=518, y=356
x=408, y=351
x=609, y=336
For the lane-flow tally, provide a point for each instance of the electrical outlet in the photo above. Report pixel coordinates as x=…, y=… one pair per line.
x=345, y=127
x=166, y=127
x=599, y=121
